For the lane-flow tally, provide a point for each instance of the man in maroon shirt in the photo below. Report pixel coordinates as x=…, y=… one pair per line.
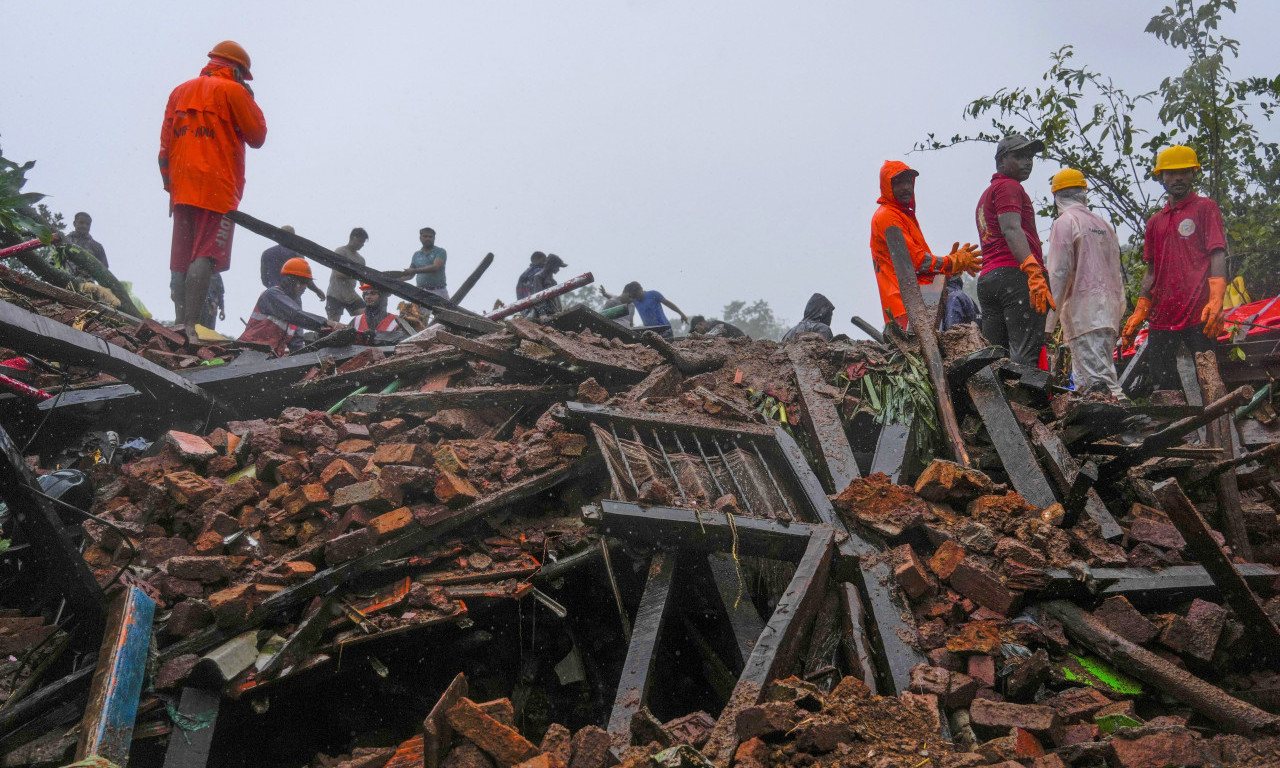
x=1012, y=291
x=1185, y=250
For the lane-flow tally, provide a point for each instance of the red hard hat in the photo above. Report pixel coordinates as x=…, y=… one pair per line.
x=230, y=49
x=298, y=267
x=368, y=287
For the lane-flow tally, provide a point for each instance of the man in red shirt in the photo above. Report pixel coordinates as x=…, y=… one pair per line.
x=1012, y=290
x=1185, y=250
x=207, y=123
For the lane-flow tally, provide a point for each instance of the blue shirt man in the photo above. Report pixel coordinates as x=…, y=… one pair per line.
x=428, y=264
x=648, y=305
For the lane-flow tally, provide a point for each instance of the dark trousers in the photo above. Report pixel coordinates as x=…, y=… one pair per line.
x=1162, y=353
x=1007, y=317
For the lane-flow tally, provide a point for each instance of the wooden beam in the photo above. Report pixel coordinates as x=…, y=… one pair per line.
x=1201, y=546
x=922, y=325
x=513, y=360
x=106, y=731
x=29, y=333
x=472, y=279
x=1065, y=469
x=1221, y=434
x=892, y=450
x=436, y=731
x=822, y=422
x=580, y=317
x=1209, y=700
x=1171, y=435
x=1006, y=434
x=642, y=651
x=190, y=748
x=777, y=645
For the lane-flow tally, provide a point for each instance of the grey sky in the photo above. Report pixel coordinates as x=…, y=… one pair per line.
x=712, y=150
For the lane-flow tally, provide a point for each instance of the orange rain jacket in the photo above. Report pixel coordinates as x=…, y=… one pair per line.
x=891, y=213
x=207, y=122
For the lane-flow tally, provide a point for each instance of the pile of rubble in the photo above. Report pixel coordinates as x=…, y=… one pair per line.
x=574, y=544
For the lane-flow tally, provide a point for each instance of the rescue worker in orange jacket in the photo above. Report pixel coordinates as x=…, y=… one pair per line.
x=207, y=123
x=898, y=209
x=376, y=325
x=277, y=320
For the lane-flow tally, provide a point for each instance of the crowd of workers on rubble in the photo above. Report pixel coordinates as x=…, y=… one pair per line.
x=1023, y=291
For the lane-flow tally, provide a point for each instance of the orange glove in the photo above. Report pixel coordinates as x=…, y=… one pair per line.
x=1212, y=315
x=1041, y=298
x=1134, y=324
x=966, y=259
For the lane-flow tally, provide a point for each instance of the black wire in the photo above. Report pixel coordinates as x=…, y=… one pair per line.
x=133, y=551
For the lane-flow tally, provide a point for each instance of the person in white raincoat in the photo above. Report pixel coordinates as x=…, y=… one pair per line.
x=1083, y=266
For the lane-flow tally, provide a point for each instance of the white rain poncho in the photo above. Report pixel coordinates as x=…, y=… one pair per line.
x=1083, y=266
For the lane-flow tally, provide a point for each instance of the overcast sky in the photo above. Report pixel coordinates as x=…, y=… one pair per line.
x=711, y=150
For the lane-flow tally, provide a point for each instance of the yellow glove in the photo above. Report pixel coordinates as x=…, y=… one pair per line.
x=1134, y=324
x=1041, y=298
x=966, y=259
x=1213, y=314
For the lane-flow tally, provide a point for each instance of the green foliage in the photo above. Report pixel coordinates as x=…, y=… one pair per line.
x=1086, y=121
x=587, y=294
x=755, y=319
x=17, y=219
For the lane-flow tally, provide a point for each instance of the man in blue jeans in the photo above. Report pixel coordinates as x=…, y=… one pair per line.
x=1012, y=290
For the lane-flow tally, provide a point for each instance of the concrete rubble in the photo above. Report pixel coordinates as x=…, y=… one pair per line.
x=575, y=544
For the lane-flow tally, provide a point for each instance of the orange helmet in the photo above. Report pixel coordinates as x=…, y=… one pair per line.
x=368, y=287
x=298, y=267
x=233, y=51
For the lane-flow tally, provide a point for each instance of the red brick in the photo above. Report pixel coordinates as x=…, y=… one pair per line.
x=206, y=570
x=926, y=703
x=558, y=741
x=503, y=744
x=175, y=671
x=768, y=719
x=998, y=718
x=382, y=430
x=1079, y=733
x=1160, y=749
x=189, y=617
x=188, y=488
x=954, y=689
x=375, y=496
x=338, y=474
x=946, y=558
x=1119, y=615
x=348, y=430
x=1048, y=761
x=349, y=546
x=454, y=491
x=591, y=748
x=976, y=637
x=1205, y=621
x=984, y=587
x=590, y=391
x=983, y=669
x=447, y=459
x=1012, y=549
x=405, y=476
x=297, y=570
x=569, y=443
x=233, y=605
x=1077, y=703
x=910, y=572
x=1156, y=533
x=354, y=445
x=1175, y=632
x=208, y=543
x=545, y=760
x=399, y=453
x=752, y=753
x=190, y=447
x=1026, y=746
x=388, y=523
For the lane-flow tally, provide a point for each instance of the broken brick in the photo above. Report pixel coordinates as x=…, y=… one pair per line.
x=590, y=391
x=999, y=718
x=953, y=689
x=189, y=447
x=374, y=495
x=206, y=570
x=454, y=491
x=391, y=522
x=591, y=747
x=503, y=744
x=984, y=587
x=349, y=546
x=338, y=474
x=910, y=572
x=768, y=719
x=1155, y=750
x=399, y=453
x=1205, y=621
x=946, y=558
x=1119, y=615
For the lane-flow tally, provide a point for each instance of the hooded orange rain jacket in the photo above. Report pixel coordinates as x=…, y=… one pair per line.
x=891, y=213
x=207, y=123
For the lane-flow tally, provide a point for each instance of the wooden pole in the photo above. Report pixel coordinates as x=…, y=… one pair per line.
x=472, y=279
x=1221, y=434
x=922, y=325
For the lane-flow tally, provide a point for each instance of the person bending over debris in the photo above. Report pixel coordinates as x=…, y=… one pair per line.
x=427, y=265
x=342, y=288
x=817, y=319
x=1083, y=263
x=207, y=123
x=961, y=308
x=542, y=280
x=278, y=320
x=1185, y=250
x=649, y=305
x=524, y=284
x=375, y=324
x=704, y=327
x=1012, y=290
x=898, y=209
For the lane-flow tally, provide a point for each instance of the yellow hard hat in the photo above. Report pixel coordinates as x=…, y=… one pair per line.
x=1067, y=177
x=1176, y=157
x=230, y=49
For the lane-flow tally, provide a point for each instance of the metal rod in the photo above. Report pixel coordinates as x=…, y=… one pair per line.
x=755, y=481
x=785, y=501
x=733, y=476
x=705, y=460
x=617, y=593
x=670, y=468
x=622, y=452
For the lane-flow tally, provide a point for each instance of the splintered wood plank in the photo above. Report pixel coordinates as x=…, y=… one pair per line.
x=1222, y=434
x=1064, y=469
x=823, y=422
x=1019, y=463
x=642, y=652
x=190, y=749
x=1201, y=545
x=459, y=397
x=436, y=731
